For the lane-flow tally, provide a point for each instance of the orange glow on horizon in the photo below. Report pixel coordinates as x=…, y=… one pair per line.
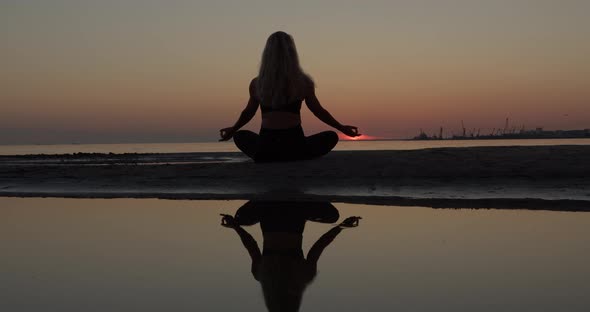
x=162, y=72
x=362, y=137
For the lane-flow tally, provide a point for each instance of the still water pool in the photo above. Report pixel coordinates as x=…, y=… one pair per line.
x=165, y=255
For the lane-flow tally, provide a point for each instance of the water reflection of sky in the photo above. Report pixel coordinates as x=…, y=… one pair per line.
x=154, y=255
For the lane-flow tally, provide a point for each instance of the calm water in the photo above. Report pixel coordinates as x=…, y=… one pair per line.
x=230, y=147
x=156, y=255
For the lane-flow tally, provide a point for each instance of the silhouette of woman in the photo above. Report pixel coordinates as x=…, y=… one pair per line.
x=281, y=268
x=279, y=89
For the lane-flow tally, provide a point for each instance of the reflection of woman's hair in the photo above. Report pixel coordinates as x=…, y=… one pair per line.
x=283, y=283
x=281, y=80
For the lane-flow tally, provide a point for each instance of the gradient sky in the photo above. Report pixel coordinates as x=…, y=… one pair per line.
x=177, y=71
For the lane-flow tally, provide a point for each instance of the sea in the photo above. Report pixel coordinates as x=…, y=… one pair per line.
x=209, y=147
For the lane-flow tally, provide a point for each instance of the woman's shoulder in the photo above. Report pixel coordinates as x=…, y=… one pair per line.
x=254, y=82
x=308, y=86
x=308, y=81
x=254, y=87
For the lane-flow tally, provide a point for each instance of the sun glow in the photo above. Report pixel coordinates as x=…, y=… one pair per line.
x=362, y=137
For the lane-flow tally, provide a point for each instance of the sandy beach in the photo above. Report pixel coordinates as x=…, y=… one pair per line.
x=531, y=177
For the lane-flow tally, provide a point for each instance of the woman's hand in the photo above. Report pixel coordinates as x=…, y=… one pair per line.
x=228, y=221
x=350, y=131
x=350, y=222
x=226, y=133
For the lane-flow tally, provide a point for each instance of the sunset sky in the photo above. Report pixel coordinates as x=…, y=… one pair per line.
x=177, y=71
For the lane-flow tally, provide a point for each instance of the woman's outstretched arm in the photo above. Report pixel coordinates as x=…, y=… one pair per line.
x=245, y=116
x=247, y=240
x=322, y=114
x=316, y=250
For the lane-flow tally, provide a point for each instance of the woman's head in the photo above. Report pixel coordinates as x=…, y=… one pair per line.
x=283, y=280
x=281, y=79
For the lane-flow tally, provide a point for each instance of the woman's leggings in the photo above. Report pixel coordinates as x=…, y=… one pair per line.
x=284, y=144
x=284, y=216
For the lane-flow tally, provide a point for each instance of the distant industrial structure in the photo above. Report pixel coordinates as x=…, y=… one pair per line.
x=507, y=132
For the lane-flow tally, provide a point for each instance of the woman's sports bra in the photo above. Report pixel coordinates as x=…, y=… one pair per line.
x=294, y=107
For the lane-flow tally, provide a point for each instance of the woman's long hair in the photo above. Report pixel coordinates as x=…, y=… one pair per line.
x=283, y=282
x=281, y=80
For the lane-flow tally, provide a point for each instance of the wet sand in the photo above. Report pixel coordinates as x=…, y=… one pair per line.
x=477, y=177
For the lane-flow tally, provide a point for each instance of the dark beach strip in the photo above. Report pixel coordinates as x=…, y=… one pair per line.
x=530, y=177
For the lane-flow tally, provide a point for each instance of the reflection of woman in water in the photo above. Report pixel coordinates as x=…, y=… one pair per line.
x=279, y=89
x=281, y=268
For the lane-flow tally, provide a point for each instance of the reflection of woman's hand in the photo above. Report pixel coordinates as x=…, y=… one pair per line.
x=228, y=221
x=350, y=222
x=350, y=131
x=226, y=133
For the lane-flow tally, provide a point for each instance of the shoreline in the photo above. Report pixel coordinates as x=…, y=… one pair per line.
x=477, y=176
x=533, y=204
x=229, y=147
